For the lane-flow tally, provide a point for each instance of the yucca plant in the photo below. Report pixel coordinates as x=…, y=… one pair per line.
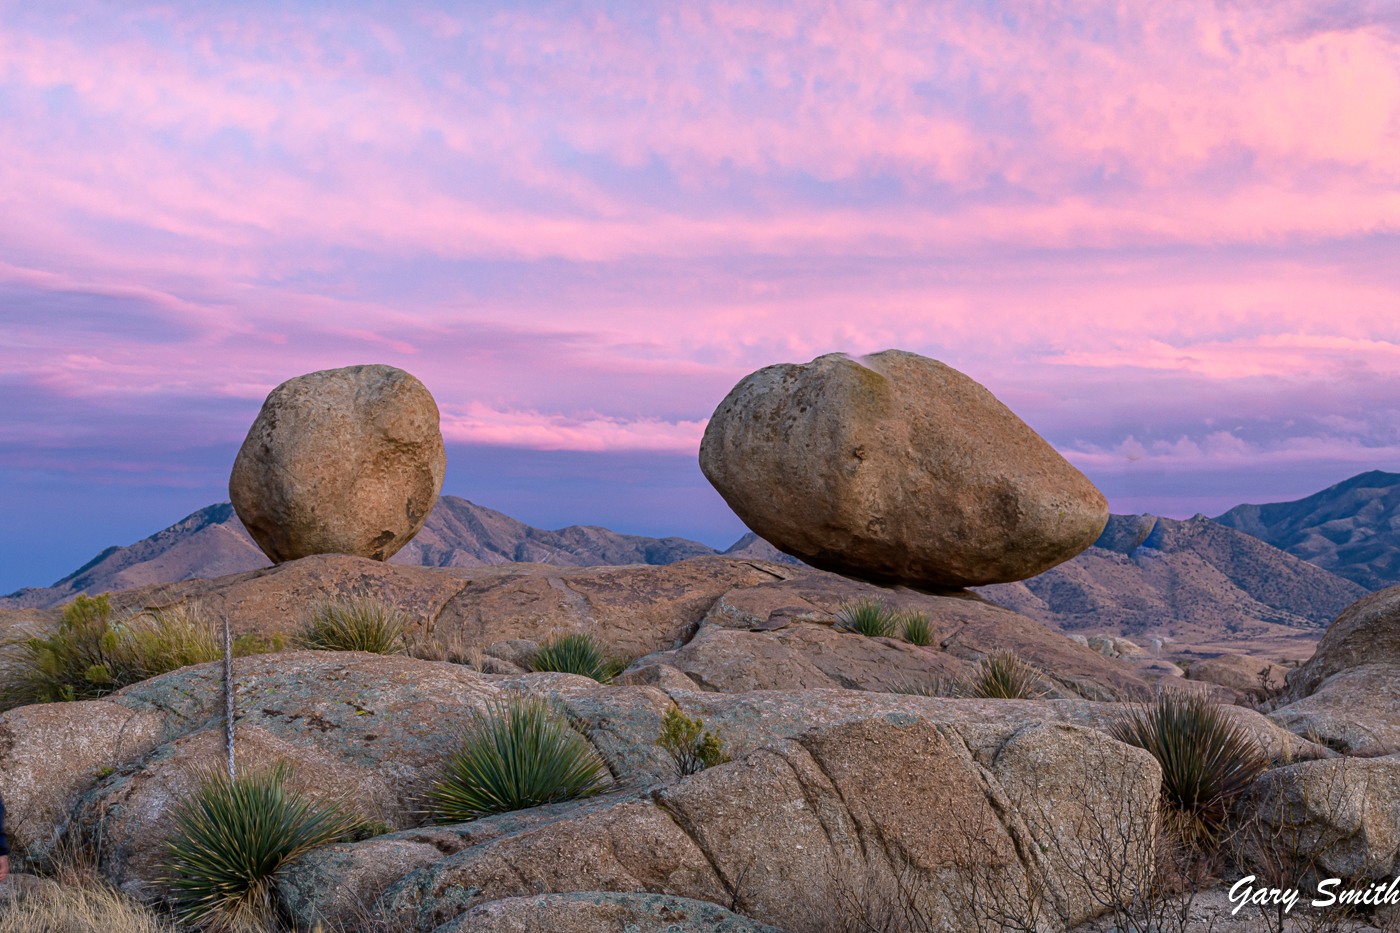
x=234, y=836
x=916, y=628
x=1207, y=761
x=869, y=617
x=692, y=748
x=576, y=653
x=518, y=753
x=1002, y=675
x=355, y=624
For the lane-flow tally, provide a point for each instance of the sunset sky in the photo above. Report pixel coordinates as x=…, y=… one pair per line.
x=1167, y=235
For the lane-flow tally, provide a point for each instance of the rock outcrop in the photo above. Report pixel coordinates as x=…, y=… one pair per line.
x=1327, y=819
x=896, y=469
x=1348, y=693
x=343, y=461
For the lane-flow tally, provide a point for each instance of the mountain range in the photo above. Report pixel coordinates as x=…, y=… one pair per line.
x=213, y=542
x=1275, y=573
x=1351, y=529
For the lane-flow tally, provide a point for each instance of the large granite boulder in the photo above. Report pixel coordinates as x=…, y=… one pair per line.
x=896, y=468
x=1347, y=694
x=1338, y=818
x=343, y=461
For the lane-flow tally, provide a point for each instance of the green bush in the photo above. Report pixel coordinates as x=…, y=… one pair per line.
x=916, y=629
x=1003, y=676
x=519, y=753
x=577, y=653
x=355, y=624
x=869, y=617
x=89, y=655
x=1207, y=761
x=233, y=837
x=692, y=749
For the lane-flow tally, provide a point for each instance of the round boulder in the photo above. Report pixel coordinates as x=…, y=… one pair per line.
x=896, y=469
x=343, y=461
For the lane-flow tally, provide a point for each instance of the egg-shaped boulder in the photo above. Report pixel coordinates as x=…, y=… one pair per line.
x=896, y=469
x=342, y=461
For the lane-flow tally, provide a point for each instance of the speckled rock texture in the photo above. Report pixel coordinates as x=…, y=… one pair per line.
x=898, y=469
x=784, y=828
x=1341, y=817
x=342, y=461
x=602, y=912
x=50, y=754
x=1348, y=693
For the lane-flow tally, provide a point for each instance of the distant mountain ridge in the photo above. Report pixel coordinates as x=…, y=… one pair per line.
x=1351, y=529
x=1189, y=580
x=213, y=542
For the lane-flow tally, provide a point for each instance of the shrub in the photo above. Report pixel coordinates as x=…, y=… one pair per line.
x=519, y=753
x=692, y=749
x=916, y=629
x=1206, y=760
x=355, y=624
x=577, y=653
x=1003, y=676
x=233, y=836
x=869, y=617
x=89, y=655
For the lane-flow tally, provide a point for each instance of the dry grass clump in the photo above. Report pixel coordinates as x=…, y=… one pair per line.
x=91, y=654
x=355, y=624
x=100, y=909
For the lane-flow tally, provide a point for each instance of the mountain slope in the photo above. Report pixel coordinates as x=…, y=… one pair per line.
x=213, y=542
x=1195, y=581
x=1351, y=529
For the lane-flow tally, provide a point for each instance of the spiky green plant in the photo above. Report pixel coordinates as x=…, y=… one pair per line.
x=518, y=753
x=1207, y=761
x=1002, y=675
x=355, y=624
x=916, y=628
x=232, y=838
x=577, y=653
x=692, y=748
x=868, y=616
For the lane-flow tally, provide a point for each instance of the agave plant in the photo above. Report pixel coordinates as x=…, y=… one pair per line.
x=1207, y=761
x=1003, y=676
x=868, y=616
x=232, y=838
x=576, y=653
x=355, y=624
x=518, y=753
